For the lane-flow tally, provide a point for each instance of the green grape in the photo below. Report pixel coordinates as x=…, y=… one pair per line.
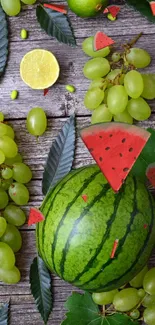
x=19, y=193
x=149, y=282
x=3, y=226
x=88, y=48
x=10, y=132
x=3, y=129
x=123, y=117
x=135, y=314
x=2, y=157
x=11, y=7
x=133, y=83
x=29, y=2
x=139, y=109
x=5, y=183
x=126, y=299
x=104, y=298
x=149, y=86
x=137, y=281
x=7, y=257
x=101, y=114
x=1, y=117
x=10, y=276
x=12, y=237
x=117, y=99
x=16, y=159
x=141, y=293
x=97, y=83
x=96, y=68
x=21, y=173
x=148, y=300
x=93, y=98
x=139, y=58
x=7, y=173
x=14, y=215
x=36, y=121
x=3, y=199
x=116, y=57
x=112, y=76
x=106, y=96
x=149, y=315
x=8, y=146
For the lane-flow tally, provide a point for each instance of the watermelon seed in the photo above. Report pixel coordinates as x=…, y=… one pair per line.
x=100, y=159
x=100, y=136
x=113, y=168
x=107, y=148
x=135, y=158
x=121, y=155
x=111, y=135
x=123, y=140
x=131, y=149
x=125, y=169
x=91, y=149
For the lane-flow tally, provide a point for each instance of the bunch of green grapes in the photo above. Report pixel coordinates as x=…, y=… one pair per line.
x=13, y=7
x=117, y=94
x=14, y=174
x=137, y=300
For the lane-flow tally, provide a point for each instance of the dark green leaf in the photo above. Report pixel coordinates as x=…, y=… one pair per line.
x=146, y=157
x=41, y=287
x=83, y=311
x=3, y=40
x=4, y=314
x=61, y=155
x=143, y=7
x=56, y=24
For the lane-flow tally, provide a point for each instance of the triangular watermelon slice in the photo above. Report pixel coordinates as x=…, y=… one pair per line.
x=115, y=148
x=114, y=10
x=35, y=216
x=152, y=5
x=150, y=173
x=101, y=41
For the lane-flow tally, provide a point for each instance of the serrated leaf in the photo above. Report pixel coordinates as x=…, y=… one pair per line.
x=56, y=24
x=61, y=155
x=4, y=314
x=146, y=157
x=40, y=282
x=143, y=7
x=83, y=311
x=3, y=40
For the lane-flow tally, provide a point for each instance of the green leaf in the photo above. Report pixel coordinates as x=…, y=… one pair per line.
x=146, y=157
x=3, y=40
x=143, y=7
x=83, y=311
x=61, y=155
x=4, y=314
x=56, y=24
x=40, y=281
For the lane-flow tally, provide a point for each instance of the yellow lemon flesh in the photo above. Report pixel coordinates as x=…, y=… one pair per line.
x=39, y=69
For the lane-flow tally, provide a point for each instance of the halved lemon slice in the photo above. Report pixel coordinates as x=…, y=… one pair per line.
x=39, y=69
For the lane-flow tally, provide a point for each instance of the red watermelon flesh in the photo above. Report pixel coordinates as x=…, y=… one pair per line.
x=101, y=41
x=115, y=148
x=35, y=216
x=152, y=5
x=114, y=10
x=150, y=173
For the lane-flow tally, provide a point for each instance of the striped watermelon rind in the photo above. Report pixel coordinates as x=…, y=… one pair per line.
x=77, y=237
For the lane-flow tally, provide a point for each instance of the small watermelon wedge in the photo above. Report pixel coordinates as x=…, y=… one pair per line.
x=115, y=147
x=150, y=173
x=35, y=216
x=114, y=10
x=101, y=41
x=152, y=5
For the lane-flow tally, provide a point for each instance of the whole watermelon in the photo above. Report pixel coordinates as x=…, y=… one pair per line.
x=83, y=219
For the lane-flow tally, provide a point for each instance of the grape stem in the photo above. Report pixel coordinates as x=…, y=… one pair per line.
x=133, y=41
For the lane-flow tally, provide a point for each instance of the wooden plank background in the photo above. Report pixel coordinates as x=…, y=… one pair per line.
x=58, y=105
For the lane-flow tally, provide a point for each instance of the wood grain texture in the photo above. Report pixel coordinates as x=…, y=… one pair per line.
x=58, y=104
